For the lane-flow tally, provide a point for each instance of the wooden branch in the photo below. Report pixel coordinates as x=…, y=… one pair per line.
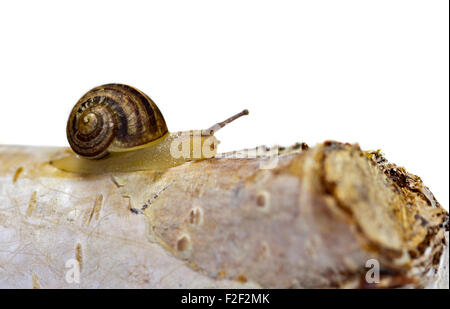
x=314, y=220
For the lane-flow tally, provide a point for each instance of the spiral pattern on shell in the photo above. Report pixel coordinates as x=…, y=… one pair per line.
x=113, y=117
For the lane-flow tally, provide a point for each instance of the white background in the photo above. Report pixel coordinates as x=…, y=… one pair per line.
x=373, y=72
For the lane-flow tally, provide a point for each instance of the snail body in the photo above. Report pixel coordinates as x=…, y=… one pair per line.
x=118, y=128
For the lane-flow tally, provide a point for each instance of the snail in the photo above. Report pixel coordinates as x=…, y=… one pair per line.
x=118, y=128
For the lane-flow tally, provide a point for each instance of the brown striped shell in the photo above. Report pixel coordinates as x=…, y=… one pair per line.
x=113, y=117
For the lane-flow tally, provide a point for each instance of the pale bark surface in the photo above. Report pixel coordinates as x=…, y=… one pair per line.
x=312, y=221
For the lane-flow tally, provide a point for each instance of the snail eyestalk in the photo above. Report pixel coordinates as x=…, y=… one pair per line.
x=220, y=125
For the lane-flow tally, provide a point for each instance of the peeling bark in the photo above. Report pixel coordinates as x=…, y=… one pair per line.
x=312, y=221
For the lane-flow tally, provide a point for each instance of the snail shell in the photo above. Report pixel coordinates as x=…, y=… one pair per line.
x=113, y=118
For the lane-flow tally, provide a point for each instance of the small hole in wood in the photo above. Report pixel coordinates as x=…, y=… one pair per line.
x=263, y=199
x=183, y=243
x=195, y=216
